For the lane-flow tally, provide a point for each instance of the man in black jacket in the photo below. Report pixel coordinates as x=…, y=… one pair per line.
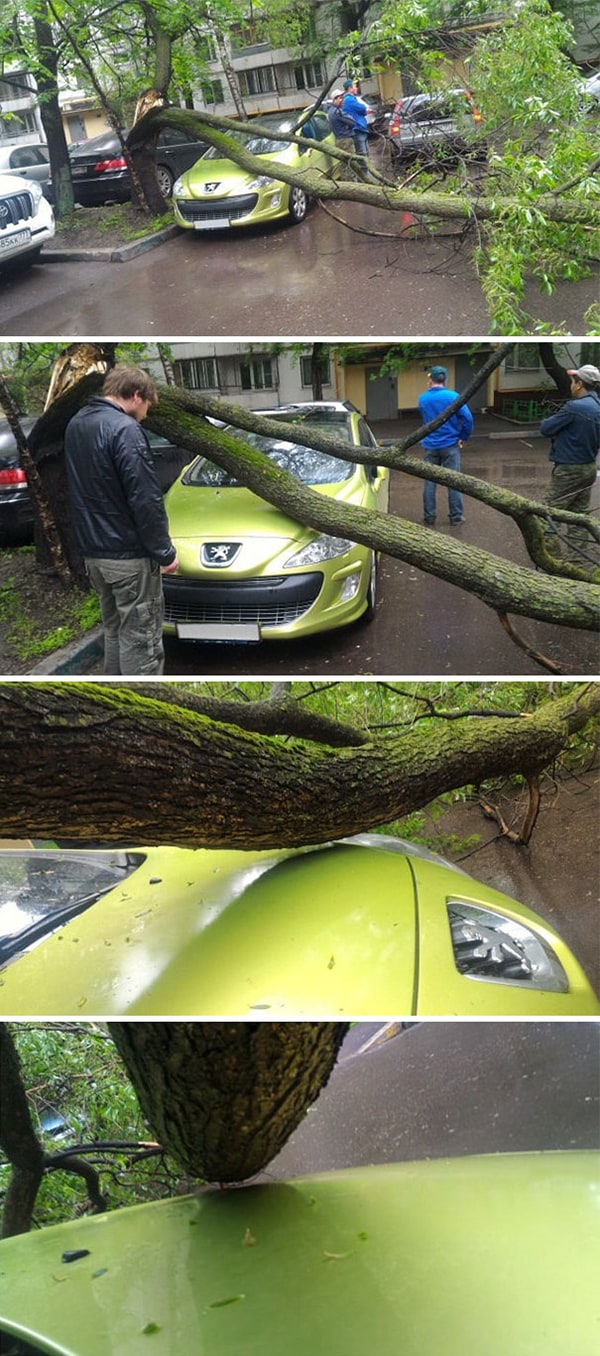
x=575, y=434
x=119, y=519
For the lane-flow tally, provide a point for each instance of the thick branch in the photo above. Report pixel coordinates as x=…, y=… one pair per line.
x=71, y=754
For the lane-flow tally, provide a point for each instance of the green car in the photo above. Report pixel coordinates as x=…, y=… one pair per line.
x=247, y=572
x=359, y=928
x=217, y=193
x=496, y=1254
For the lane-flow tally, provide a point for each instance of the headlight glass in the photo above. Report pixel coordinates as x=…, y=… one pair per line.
x=489, y=946
x=180, y=190
x=322, y=548
x=262, y=181
x=36, y=192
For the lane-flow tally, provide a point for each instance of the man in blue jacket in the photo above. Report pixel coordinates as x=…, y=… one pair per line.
x=119, y=519
x=442, y=447
x=356, y=108
x=575, y=434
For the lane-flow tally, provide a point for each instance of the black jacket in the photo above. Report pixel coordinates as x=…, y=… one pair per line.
x=118, y=509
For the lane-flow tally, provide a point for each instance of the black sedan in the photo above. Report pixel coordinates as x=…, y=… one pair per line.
x=99, y=169
x=16, y=511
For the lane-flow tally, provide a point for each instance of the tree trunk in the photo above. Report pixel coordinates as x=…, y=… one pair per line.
x=94, y=761
x=554, y=370
x=47, y=85
x=45, y=517
x=18, y=1142
x=223, y=1097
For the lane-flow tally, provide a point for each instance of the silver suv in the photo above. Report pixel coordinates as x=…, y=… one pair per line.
x=433, y=124
x=26, y=219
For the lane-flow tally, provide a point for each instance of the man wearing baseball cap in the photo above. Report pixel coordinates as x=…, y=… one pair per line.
x=443, y=446
x=575, y=434
x=342, y=125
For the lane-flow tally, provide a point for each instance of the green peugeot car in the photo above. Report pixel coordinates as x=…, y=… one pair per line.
x=216, y=193
x=496, y=1254
x=359, y=928
x=247, y=572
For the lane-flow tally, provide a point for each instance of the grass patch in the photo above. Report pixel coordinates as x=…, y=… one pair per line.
x=37, y=614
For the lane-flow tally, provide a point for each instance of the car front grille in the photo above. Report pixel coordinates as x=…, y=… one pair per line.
x=18, y=207
x=274, y=602
x=232, y=208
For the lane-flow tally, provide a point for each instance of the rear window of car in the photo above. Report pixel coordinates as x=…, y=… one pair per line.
x=304, y=463
x=40, y=889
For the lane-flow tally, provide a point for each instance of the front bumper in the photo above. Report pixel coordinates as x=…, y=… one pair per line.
x=246, y=209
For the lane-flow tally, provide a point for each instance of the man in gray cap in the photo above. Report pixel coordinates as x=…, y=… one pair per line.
x=342, y=124
x=575, y=434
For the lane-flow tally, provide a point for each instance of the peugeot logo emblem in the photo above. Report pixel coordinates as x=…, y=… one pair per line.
x=219, y=554
x=212, y=187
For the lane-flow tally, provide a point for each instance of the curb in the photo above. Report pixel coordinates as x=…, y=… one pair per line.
x=118, y=256
x=73, y=656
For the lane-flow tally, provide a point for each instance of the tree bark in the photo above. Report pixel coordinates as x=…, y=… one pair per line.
x=18, y=1142
x=223, y=1097
x=92, y=761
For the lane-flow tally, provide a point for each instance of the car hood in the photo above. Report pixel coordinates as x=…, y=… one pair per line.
x=227, y=174
x=197, y=511
x=496, y=1253
x=288, y=933
x=14, y=183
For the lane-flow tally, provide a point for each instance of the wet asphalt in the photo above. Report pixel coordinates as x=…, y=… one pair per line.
x=446, y=1089
x=317, y=279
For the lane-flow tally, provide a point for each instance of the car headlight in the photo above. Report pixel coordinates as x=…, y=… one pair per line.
x=262, y=181
x=488, y=945
x=36, y=191
x=180, y=190
x=322, y=548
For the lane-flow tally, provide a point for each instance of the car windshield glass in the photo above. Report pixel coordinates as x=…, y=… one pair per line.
x=257, y=145
x=40, y=889
x=304, y=463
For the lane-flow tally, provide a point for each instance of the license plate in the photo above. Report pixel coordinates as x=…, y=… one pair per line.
x=243, y=633
x=11, y=242
x=78, y=170
x=212, y=224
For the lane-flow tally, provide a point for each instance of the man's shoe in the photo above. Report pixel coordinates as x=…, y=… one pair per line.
x=429, y=522
x=454, y=522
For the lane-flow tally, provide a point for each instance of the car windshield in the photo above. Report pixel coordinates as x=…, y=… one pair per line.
x=41, y=888
x=257, y=145
x=304, y=463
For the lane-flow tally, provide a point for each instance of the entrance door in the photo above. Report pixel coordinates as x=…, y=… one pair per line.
x=382, y=397
x=464, y=371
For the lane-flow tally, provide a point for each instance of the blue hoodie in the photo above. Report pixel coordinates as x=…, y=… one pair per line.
x=459, y=427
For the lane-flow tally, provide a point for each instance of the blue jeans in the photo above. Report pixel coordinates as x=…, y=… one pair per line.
x=360, y=142
x=449, y=458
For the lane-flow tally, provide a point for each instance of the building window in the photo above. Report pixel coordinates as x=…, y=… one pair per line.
x=258, y=80
x=306, y=372
x=309, y=74
x=199, y=374
x=212, y=90
x=16, y=124
x=257, y=374
x=523, y=358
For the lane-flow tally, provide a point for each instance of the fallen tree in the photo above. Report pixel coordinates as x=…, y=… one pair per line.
x=72, y=752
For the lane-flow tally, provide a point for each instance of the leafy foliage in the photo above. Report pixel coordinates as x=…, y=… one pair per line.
x=77, y=1093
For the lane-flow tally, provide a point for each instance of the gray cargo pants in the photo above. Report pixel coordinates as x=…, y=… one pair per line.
x=570, y=488
x=132, y=609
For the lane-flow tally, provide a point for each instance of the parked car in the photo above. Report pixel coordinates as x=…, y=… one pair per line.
x=26, y=220
x=28, y=162
x=591, y=87
x=16, y=510
x=99, y=169
x=249, y=572
x=16, y=513
x=216, y=193
x=434, y=125
x=411, y=1258
x=365, y=926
